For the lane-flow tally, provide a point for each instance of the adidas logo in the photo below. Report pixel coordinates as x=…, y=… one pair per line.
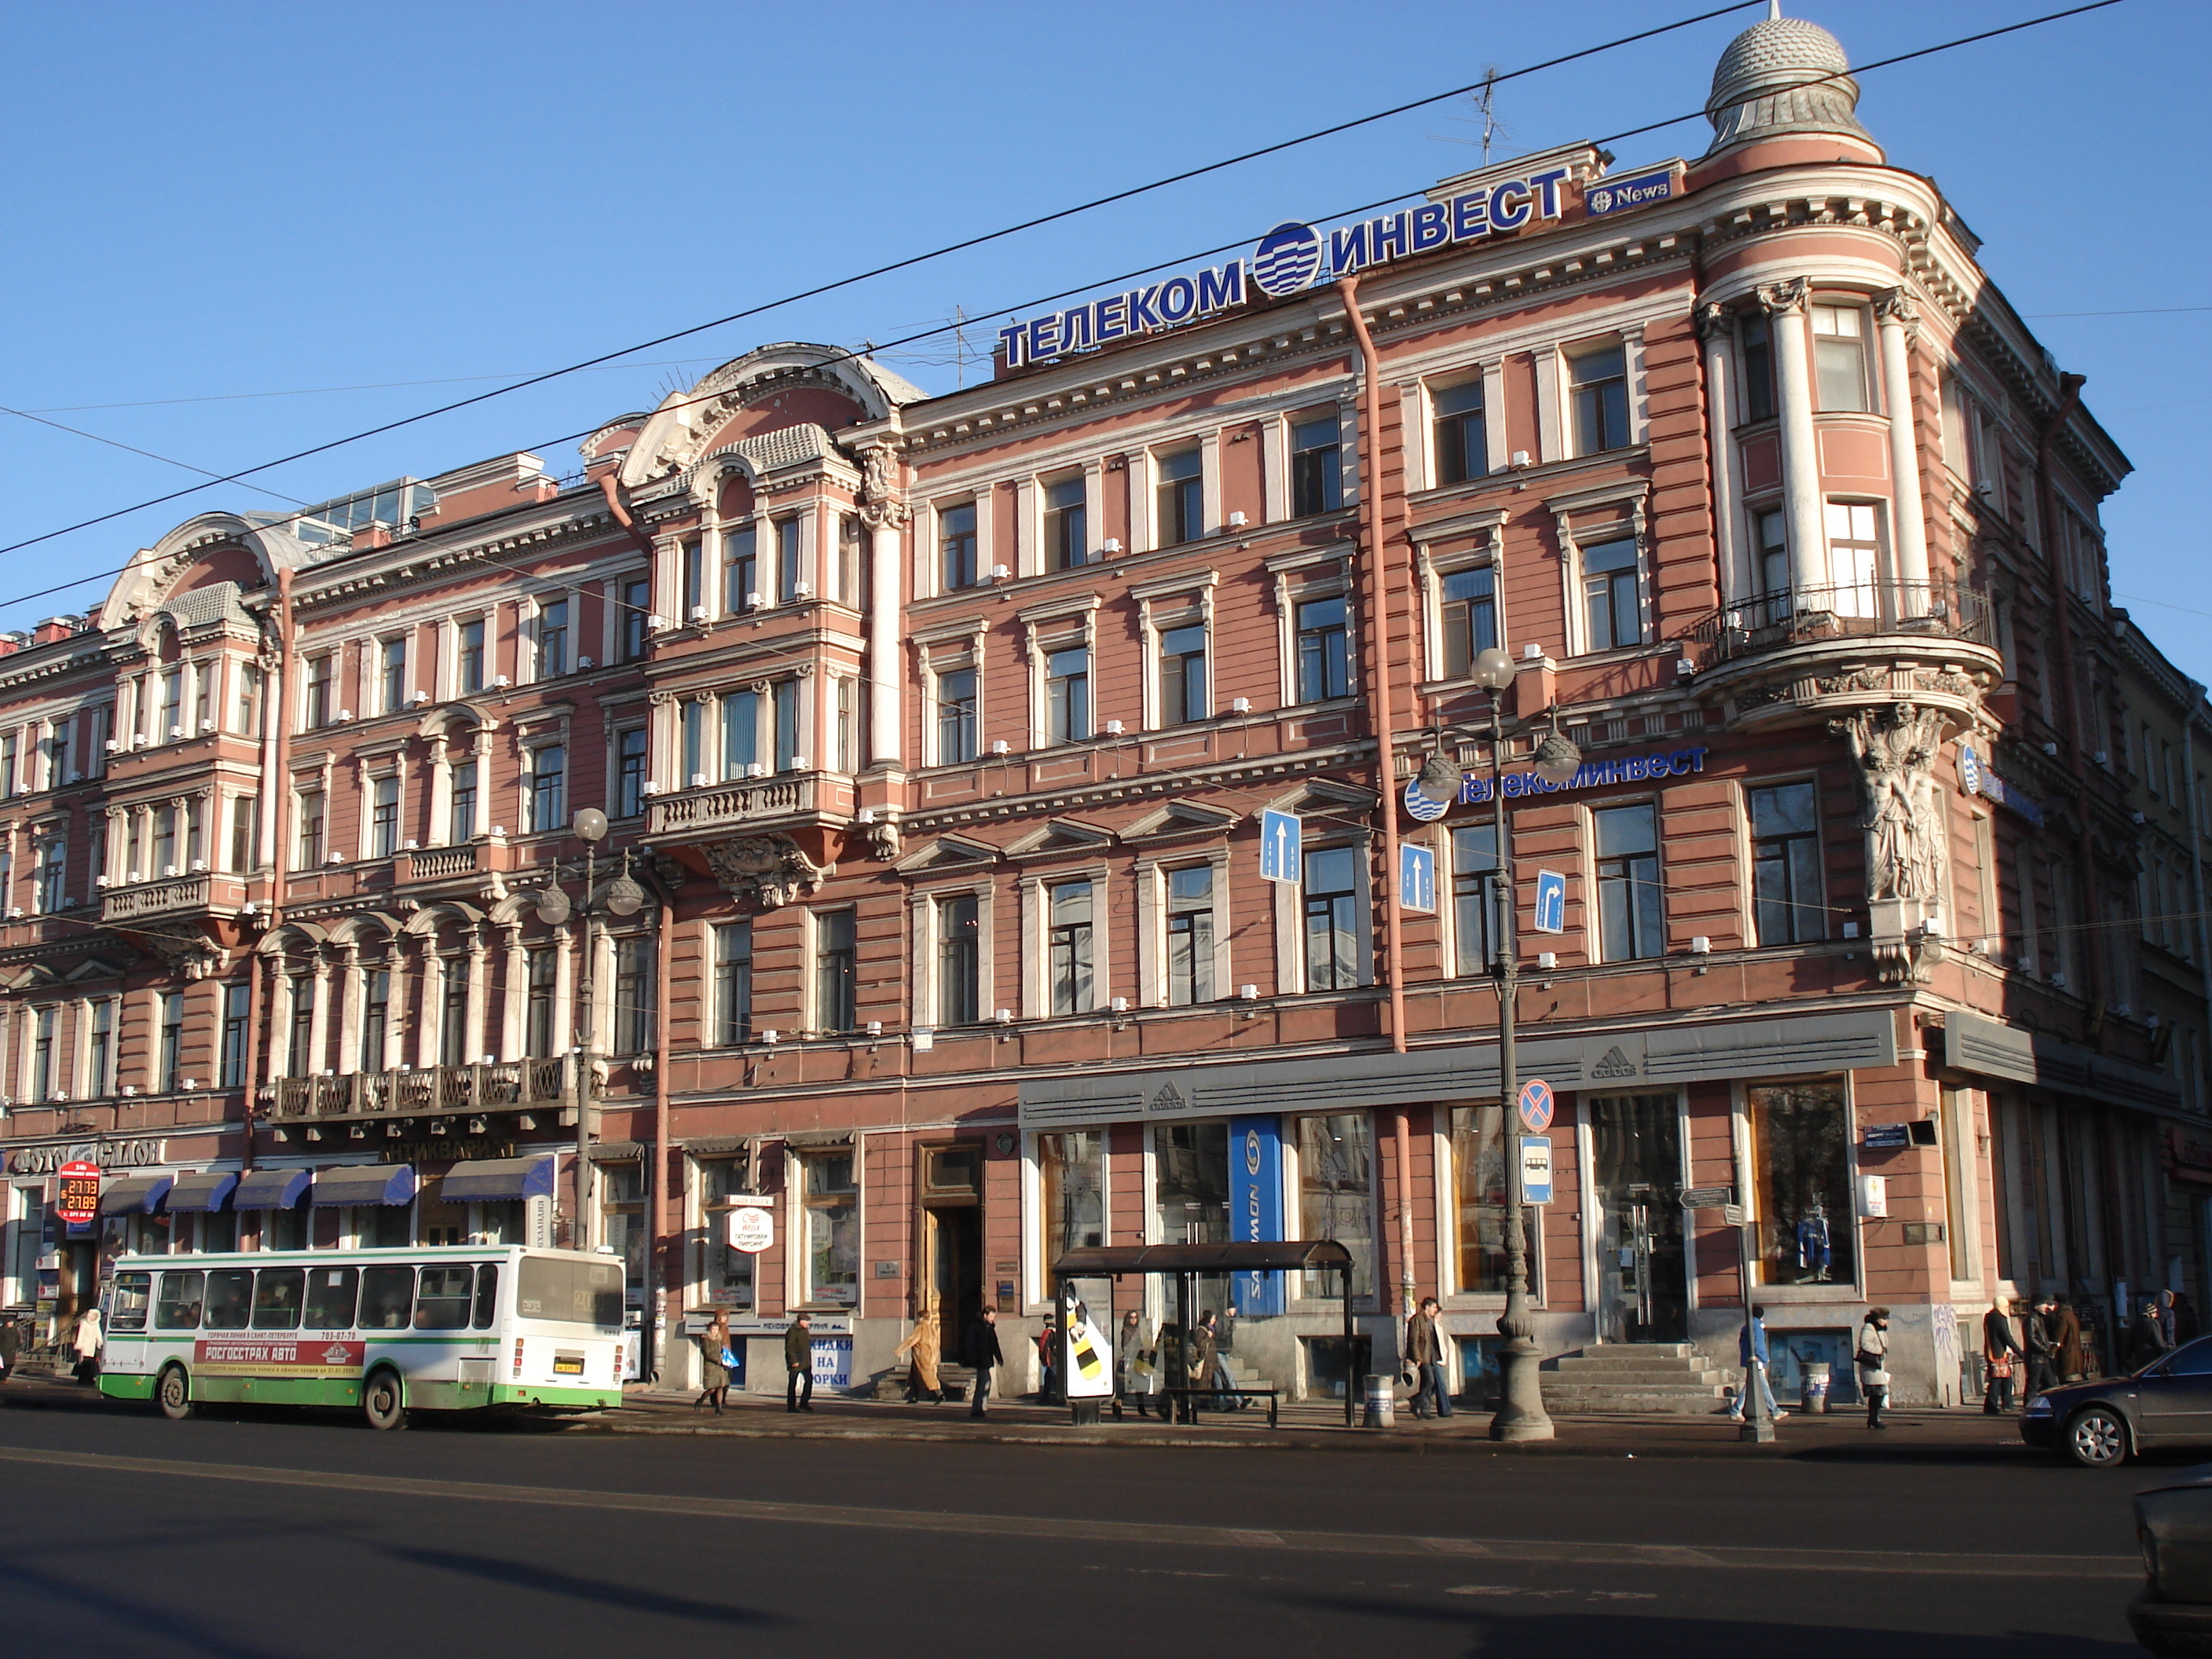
x=1615, y=1064
x=1168, y=1099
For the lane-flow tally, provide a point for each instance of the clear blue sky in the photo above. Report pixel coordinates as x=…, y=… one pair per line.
x=213, y=202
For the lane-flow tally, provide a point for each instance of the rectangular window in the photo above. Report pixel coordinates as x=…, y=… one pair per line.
x=100, y=1050
x=165, y=843
x=633, y=994
x=44, y=1023
x=729, y=1273
x=230, y=1298
x=1180, y=498
x=1601, y=398
x=1066, y=525
x=317, y=709
x=1184, y=695
x=1068, y=956
x=692, y=724
x=387, y=1296
x=844, y=724
x=1758, y=370
x=310, y=830
x=959, y=959
x=629, y=772
x=394, y=681
x=1789, y=905
x=836, y=970
x=787, y=754
x=454, y=1044
x=833, y=1230
x=547, y=786
x=1854, y=556
x=552, y=639
x=276, y=1297
x=464, y=826
x=741, y=588
x=1478, y=892
x=692, y=561
x=1336, y=1194
x=169, y=1007
x=1771, y=531
x=955, y=716
x=46, y=894
x=788, y=576
x=1324, y=659
x=1316, y=467
x=375, y=1016
x=1628, y=881
x=1801, y=1139
x=537, y=1008
x=178, y=1306
x=127, y=1307
x=170, y=726
x=633, y=608
x=470, y=663
x=1462, y=441
x=331, y=1292
x=1840, y=361
x=733, y=983
x=1068, y=694
x=1330, y=893
x=384, y=817
x=1190, y=936
x=740, y=733
x=1611, y=594
x=234, y=997
x=1478, y=1149
x=300, y=1055
x=1071, y=1192
x=246, y=712
x=1190, y=1183
x=244, y=811
x=1469, y=619
x=955, y=528
x=7, y=772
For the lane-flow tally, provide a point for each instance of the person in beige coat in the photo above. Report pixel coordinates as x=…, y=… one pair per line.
x=926, y=1344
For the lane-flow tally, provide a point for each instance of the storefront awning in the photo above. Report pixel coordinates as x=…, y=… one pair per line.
x=270, y=1189
x=492, y=1180
x=201, y=1192
x=1264, y=1255
x=363, y=1183
x=135, y=1194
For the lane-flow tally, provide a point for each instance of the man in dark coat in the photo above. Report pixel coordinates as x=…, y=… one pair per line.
x=798, y=1365
x=2042, y=1346
x=2066, y=1341
x=979, y=1350
x=2001, y=1352
x=2146, y=1340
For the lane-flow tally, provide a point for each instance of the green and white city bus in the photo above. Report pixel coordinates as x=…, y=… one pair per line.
x=443, y=1328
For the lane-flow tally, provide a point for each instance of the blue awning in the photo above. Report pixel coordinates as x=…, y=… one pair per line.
x=270, y=1189
x=493, y=1179
x=363, y=1183
x=135, y=1194
x=201, y=1192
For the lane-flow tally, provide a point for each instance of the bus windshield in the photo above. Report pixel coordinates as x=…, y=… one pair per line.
x=570, y=1292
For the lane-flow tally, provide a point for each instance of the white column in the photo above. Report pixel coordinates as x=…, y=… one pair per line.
x=886, y=670
x=514, y=993
x=564, y=989
x=479, y=990
x=1785, y=304
x=430, y=1018
x=441, y=793
x=350, y=1010
x=318, y=1022
x=1895, y=317
x=1716, y=323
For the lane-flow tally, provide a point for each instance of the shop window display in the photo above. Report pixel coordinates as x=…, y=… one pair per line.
x=1478, y=1146
x=1800, y=1149
x=1336, y=1195
x=833, y=1230
x=1070, y=1171
x=728, y=1272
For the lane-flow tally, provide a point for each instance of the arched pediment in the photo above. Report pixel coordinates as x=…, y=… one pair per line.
x=432, y=919
x=216, y=555
x=816, y=385
x=290, y=937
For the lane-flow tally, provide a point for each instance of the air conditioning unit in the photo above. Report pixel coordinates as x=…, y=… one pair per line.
x=110, y=746
x=698, y=613
x=14, y=913
x=199, y=866
x=206, y=726
x=100, y=881
x=1113, y=544
x=344, y=715
x=755, y=769
x=999, y=573
x=1547, y=960
x=501, y=681
x=410, y=845
x=176, y=732
x=655, y=621
x=771, y=1034
x=1121, y=1004
x=753, y=601
x=648, y=787
x=806, y=590
x=1113, y=728
x=418, y=697
x=698, y=779
x=1000, y=746
x=1236, y=521
x=1240, y=705
x=799, y=764
x=169, y=871
x=587, y=662
x=1532, y=651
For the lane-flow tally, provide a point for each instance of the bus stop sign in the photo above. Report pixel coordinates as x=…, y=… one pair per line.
x=77, y=1193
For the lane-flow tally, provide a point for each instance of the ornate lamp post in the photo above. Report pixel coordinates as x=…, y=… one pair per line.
x=622, y=898
x=1521, y=1414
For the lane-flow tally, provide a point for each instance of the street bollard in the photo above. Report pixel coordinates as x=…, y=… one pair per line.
x=1382, y=1403
x=1815, y=1374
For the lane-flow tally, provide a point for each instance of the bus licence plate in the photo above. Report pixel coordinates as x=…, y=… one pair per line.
x=567, y=1364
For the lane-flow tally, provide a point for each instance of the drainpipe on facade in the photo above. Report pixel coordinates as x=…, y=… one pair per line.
x=2046, y=507
x=654, y=1316
x=276, y=721
x=1375, y=615
x=611, y=487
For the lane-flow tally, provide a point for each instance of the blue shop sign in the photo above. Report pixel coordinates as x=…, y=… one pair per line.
x=1975, y=778
x=1619, y=195
x=1635, y=768
x=1255, y=1207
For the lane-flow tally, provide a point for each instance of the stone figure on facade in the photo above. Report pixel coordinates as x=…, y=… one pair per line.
x=1895, y=747
x=880, y=506
x=771, y=870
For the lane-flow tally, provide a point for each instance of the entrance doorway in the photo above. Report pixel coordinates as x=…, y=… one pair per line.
x=952, y=1237
x=1636, y=1173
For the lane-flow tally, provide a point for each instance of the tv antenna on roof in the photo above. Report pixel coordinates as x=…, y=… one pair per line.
x=1493, y=129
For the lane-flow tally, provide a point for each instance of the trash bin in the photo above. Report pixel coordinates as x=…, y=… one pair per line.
x=1815, y=1375
x=1382, y=1409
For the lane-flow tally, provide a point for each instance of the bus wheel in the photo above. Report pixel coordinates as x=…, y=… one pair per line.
x=173, y=1393
x=381, y=1401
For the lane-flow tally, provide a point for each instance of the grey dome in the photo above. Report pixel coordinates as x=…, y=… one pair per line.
x=1772, y=80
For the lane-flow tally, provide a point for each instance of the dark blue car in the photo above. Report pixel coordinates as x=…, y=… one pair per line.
x=2103, y=1423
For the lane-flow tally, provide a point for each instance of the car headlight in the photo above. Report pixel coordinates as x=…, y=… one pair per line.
x=2039, y=1406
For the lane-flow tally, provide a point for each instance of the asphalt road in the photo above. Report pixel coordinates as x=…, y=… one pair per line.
x=265, y=1535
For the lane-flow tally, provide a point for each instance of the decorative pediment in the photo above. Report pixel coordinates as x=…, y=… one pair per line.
x=771, y=870
x=94, y=967
x=1061, y=836
x=1321, y=793
x=945, y=852
x=1180, y=818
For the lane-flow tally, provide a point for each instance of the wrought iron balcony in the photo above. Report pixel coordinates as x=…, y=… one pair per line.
x=506, y=1085
x=1923, y=611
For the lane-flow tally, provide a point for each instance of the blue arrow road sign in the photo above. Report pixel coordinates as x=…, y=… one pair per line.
x=1280, y=835
x=1417, y=879
x=1550, y=901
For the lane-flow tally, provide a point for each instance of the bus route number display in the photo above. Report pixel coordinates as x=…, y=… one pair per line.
x=77, y=1193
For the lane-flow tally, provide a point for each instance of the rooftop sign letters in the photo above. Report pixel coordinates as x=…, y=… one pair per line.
x=1636, y=769
x=1293, y=256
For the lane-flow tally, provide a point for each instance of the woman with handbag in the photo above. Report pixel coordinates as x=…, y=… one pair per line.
x=2001, y=1351
x=715, y=1360
x=1873, y=1360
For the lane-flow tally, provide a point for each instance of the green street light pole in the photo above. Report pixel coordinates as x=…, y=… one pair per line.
x=1521, y=1414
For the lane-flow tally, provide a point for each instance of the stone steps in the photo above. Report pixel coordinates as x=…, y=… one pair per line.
x=1635, y=1377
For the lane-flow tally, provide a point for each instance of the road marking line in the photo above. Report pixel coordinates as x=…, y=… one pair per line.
x=1543, y=1551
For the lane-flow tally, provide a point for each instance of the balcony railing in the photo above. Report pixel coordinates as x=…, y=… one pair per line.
x=441, y=863
x=1818, y=616
x=433, y=1090
x=157, y=898
x=735, y=804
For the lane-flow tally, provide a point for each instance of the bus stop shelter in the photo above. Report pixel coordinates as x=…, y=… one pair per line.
x=1184, y=1263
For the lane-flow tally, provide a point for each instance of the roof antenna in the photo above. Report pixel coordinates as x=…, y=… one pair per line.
x=1773, y=11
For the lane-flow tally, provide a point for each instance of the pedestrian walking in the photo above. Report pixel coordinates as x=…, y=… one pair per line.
x=1751, y=1355
x=2042, y=1347
x=1873, y=1361
x=86, y=1343
x=923, y=1345
x=1131, y=1368
x=980, y=1349
x=2066, y=1341
x=11, y=1347
x=2146, y=1339
x=1198, y=1355
x=2001, y=1352
x=1047, y=1347
x=2169, y=1321
x=1424, y=1352
x=1224, y=1384
x=714, y=1358
x=798, y=1365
